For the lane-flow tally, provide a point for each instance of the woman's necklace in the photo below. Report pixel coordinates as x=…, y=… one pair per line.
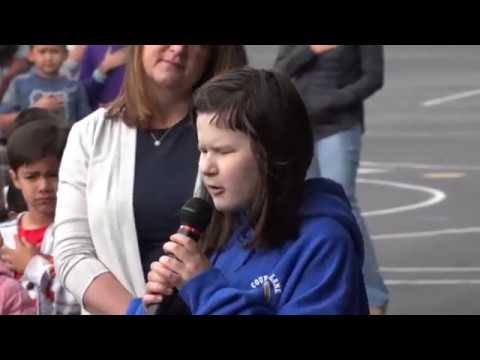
x=158, y=141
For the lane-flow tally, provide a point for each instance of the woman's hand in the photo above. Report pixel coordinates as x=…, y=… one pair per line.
x=170, y=272
x=113, y=59
x=320, y=49
x=77, y=53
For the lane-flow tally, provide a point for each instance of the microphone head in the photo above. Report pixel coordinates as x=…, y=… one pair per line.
x=197, y=214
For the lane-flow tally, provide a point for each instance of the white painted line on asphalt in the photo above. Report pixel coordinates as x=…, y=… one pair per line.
x=407, y=165
x=368, y=171
x=430, y=269
x=426, y=135
x=437, y=197
x=432, y=282
x=450, y=98
x=426, y=234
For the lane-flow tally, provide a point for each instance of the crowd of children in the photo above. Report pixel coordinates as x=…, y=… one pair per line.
x=44, y=90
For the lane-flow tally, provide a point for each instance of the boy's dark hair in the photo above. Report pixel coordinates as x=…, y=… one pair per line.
x=30, y=115
x=36, y=141
x=63, y=46
x=15, y=200
x=265, y=106
x=14, y=197
x=7, y=53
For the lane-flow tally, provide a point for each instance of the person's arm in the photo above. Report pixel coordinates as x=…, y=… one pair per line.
x=81, y=104
x=76, y=261
x=19, y=66
x=14, y=299
x=40, y=271
x=204, y=289
x=370, y=81
x=7, y=120
x=93, y=87
x=319, y=275
x=113, y=59
x=86, y=65
x=9, y=107
x=292, y=59
x=324, y=280
x=106, y=296
x=21, y=256
x=94, y=84
x=327, y=276
x=210, y=293
x=71, y=67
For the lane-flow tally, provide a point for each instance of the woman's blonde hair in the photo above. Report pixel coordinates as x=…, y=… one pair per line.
x=135, y=104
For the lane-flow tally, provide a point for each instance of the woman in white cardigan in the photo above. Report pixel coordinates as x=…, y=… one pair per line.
x=126, y=172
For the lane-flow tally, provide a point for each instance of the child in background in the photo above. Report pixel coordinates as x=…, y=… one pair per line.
x=14, y=202
x=45, y=88
x=34, y=152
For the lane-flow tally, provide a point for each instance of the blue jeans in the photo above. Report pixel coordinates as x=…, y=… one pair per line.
x=337, y=157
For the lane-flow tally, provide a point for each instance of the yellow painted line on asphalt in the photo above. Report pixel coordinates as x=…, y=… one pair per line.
x=444, y=175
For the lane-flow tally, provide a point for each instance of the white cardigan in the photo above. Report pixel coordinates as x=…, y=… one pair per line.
x=95, y=229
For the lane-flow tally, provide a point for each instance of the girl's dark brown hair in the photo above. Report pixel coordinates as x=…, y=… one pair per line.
x=135, y=105
x=266, y=106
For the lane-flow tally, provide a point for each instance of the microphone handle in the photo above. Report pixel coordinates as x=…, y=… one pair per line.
x=155, y=309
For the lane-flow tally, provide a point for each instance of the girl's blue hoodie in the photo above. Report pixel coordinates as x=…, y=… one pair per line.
x=318, y=273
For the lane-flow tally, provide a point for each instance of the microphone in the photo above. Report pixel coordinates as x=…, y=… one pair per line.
x=195, y=216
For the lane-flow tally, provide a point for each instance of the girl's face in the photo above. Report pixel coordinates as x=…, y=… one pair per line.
x=178, y=67
x=228, y=165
